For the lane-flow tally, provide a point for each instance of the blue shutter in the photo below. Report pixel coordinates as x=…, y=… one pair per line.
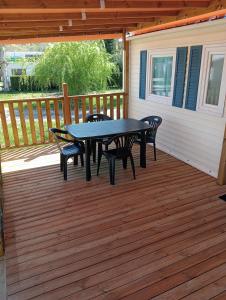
x=179, y=79
x=143, y=69
x=193, y=77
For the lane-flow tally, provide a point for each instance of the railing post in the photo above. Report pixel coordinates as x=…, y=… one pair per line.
x=66, y=105
x=125, y=75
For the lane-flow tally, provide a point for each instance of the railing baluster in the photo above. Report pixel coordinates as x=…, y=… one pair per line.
x=14, y=124
x=76, y=110
x=83, y=108
x=125, y=105
x=112, y=106
x=23, y=123
x=32, y=123
x=105, y=107
x=40, y=121
x=49, y=119
x=98, y=104
x=56, y=111
x=4, y=125
x=91, y=105
x=118, y=106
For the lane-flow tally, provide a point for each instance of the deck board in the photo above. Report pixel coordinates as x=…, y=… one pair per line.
x=162, y=236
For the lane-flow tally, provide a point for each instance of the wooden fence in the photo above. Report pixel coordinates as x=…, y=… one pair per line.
x=26, y=122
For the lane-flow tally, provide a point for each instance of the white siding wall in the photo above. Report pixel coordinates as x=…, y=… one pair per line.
x=192, y=136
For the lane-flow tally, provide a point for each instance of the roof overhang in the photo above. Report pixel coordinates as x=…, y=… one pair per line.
x=66, y=20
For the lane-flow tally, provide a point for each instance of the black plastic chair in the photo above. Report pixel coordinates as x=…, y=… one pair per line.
x=73, y=148
x=96, y=118
x=150, y=136
x=122, y=151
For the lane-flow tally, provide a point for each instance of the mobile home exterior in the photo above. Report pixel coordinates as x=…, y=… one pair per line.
x=180, y=75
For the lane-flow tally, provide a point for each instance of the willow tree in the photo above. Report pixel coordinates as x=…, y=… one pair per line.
x=85, y=66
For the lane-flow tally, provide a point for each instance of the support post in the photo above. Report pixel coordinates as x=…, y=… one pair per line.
x=66, y=105
x=125, y=75
x=221, y=179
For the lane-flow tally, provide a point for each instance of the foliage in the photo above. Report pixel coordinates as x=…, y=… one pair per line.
x=24, y=83
x=84, y=66
x=114, y=48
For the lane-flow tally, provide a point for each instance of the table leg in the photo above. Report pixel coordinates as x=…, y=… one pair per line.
x=143, y=150
x=87, y=155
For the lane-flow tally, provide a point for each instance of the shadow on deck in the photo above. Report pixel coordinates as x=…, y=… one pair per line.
x=162, y=236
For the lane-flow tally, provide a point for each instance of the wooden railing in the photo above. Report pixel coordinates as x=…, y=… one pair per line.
x=26, y=122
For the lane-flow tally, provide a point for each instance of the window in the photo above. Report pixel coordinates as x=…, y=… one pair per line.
x=161, y=75
x=214, y=80
x=16, y=72
x=212, y=89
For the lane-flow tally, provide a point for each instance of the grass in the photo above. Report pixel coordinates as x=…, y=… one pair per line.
x=25, y=95
x=18, y=95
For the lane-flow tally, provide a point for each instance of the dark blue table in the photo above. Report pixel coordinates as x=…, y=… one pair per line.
x=95, y=130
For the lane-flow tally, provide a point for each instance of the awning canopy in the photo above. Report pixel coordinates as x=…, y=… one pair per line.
x=56, y=20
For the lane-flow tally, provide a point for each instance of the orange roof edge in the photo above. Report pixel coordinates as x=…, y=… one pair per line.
x=187, y=21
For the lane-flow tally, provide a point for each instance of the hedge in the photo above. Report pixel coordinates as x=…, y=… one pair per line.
x=24, y=84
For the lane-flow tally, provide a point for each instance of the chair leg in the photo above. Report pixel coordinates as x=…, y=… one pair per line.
x=65, y=168
x=132, y=165
x=61, y=163
x=75, y=160
x=99, y=157
x=124, y=163
x=111, y=171
x=154, y=151
x=94, y=150
x=82, y=159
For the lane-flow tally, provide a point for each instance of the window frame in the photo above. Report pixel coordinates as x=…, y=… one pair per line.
x=208, y=51
x=170, y=52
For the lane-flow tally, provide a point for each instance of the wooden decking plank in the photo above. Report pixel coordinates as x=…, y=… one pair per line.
x=117, y=263
x=142, y=211
x=209, y=291
x=193, y=284
x=151, y=272
x=105, y=253
x=221, y=296
x=139, y=283
x=169, y=223
x=76, y=242
x=76, y=237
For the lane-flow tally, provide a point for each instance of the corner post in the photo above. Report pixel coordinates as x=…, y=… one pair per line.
x=221, y=179
x=66, y=105
x=125, y=75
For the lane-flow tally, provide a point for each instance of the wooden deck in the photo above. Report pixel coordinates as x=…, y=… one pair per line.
x=160, y=237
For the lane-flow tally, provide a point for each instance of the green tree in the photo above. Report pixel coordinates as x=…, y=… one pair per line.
x=114, y=48
x=84, y=66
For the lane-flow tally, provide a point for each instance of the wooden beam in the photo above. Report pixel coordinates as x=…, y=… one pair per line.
x=125, y=75
x=64, y=23
x=55, y=39
x=31, y=7
x=85, y=27
x=90, y=16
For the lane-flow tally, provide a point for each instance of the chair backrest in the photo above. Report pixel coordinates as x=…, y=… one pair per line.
x=97, y=118
x=154, y=122
x=124, y=142
x=57, y=133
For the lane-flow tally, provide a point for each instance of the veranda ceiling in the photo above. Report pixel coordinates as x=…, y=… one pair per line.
x=26, y=20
